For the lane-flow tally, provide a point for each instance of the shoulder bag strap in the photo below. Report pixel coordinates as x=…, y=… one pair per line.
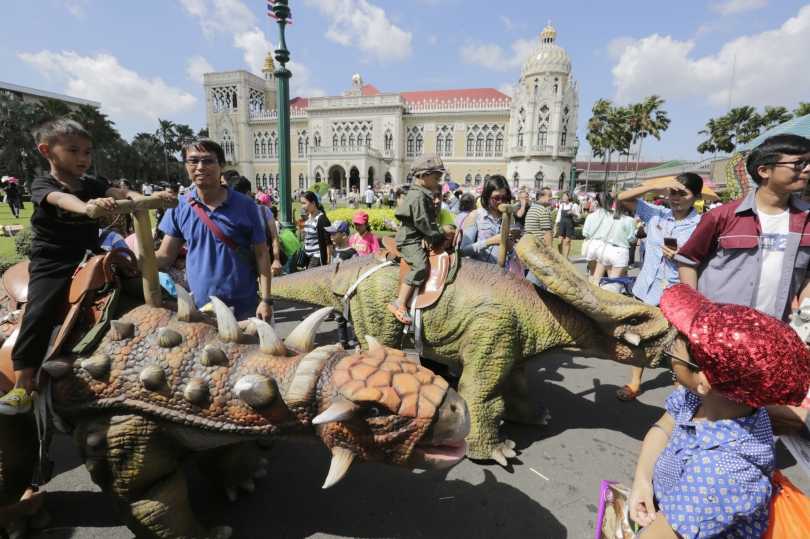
x=212, y=226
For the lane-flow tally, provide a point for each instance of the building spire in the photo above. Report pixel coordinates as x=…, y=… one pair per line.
x=549, y=34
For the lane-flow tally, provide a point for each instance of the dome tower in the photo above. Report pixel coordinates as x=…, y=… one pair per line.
x=543, y=118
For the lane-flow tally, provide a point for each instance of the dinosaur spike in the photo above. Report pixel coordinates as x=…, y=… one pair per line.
x=186, y=308
x=152, y=377
x=269, y=343
x=227, y=326
x=340, y=410
x=168, y=338
x=374, y=347
x=632, y=338
x=56, y=368
x=306, y=375
x=213, y=356
x=302, y=338
x=341, y=461
x=97, y=365
x=120, y=330
x=255, y=390
x=196, y=391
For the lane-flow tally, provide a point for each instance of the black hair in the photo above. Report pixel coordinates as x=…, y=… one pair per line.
x=771, y=150
x=466, y=202
x=457, y=193
x=496, y=182
x=204, y=145
x=53, y=130
x=274, y=209
x=312, y=197
x=691, y=181
x=242, y=185
x=231, y=177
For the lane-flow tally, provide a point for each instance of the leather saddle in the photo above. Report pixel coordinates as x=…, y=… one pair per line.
x=439, y=264
x=87, y=301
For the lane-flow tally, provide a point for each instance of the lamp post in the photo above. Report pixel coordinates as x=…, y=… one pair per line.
x=281, y=11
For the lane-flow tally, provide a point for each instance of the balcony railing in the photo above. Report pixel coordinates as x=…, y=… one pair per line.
x=458, y=105
x=368, y=151
x=273, y=114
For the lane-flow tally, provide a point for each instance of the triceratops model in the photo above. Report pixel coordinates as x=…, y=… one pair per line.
x=489, y=323
x=163, y=385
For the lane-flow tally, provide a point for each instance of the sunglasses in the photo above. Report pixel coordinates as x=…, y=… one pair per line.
x=797, y=166
x=694, y=367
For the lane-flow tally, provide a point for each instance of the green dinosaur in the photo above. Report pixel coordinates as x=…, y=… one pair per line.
x=164, y=386
x=488, y=323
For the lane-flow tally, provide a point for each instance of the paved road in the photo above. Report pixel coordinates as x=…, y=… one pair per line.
x=550, y=491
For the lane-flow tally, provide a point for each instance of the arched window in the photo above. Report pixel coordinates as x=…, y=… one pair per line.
x=275, y=146
x=468, y=179
x=561, y=184
x=368, y=140
x=351, y=141
x=264, y=149
x=440, y=144
x=477, y=179
x=448, y=145
x=301, y=181
x=520, y=137
x=388, y=178
x=335, y=141
x=418, y=148
x=563, y=136
x=470, y=145
x=499, y=144
x=479, y=145
x=256, y=148
x=542, y=136
x=490, y=145
x=318, y=176
x=342, y=141
x=317, y=139
x=258, y=181
x=556, y=86
x=409, y=145
x=389, y=140
x=264, y=180
x=276, y=184
x=301, y=147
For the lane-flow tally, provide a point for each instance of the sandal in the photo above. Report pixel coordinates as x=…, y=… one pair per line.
x=627, y=393
x=400, y=312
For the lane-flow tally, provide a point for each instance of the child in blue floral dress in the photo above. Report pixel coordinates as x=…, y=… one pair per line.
x=705, y=467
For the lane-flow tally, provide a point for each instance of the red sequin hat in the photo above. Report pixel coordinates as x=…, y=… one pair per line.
x=746, y=355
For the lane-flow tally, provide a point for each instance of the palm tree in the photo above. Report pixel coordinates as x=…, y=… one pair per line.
x=774, y=116
x=608, y=132
x=167, y=134
x=647, y=119
x=51, y=109
x=802, y=110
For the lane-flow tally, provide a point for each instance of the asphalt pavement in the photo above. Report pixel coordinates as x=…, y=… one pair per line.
x=551, y=490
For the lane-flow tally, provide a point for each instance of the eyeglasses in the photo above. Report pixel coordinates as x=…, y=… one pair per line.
x=205, y=161
x=797, y=166
x=671, y=357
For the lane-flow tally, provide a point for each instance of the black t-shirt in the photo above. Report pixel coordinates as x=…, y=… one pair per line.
x=59, y=234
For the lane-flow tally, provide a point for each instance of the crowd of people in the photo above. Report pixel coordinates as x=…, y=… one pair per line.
x=727, y=279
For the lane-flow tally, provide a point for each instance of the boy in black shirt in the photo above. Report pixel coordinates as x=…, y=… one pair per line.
x=62, y=236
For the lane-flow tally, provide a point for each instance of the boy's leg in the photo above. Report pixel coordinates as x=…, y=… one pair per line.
x=416, y=257
x=47, y=290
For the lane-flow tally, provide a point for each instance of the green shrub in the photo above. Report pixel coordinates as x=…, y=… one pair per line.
x=22, y=242
x=320, y=188
x=376, y=216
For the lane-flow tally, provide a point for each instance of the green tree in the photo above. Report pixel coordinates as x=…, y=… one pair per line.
x=168, y=136
x=802, y=110
x=608, y=132
x=18, y=154
x=104, y=134
x=738, y=126
x=202, y=133
x=50, y=109
x=647, y=119
x=774, y=116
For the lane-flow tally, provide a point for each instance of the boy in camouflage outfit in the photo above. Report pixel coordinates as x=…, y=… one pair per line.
x=418, y=230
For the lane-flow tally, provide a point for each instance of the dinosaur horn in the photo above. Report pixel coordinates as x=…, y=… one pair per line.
x=302, y=338
x=374, y=347
x=227, y=326
x=186, y=309
x=340, y=410
x=269, y=342
x=341, y=461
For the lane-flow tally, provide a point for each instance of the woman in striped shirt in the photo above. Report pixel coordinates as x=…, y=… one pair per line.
x=317, y=243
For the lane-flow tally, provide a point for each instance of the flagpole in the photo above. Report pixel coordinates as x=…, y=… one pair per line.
x=280, y=11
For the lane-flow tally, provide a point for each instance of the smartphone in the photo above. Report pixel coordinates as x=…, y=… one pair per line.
x=671, y=243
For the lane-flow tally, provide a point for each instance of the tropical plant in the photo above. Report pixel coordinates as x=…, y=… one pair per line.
x=738, y=126
x=647, y=119
x=168, y=135
x=608, y=132
x=802, y=110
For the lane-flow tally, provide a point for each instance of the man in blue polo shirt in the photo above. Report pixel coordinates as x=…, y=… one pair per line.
x=224, y=236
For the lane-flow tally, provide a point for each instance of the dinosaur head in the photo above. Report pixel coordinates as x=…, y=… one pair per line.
x=637, y=332
x=381, y=405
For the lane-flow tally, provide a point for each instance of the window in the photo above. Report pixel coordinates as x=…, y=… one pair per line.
x=388, y=178
x=499, y=144
x=409, y=145
x=318, y=176
x=264, y=149
x=468, y=179
x=301, y=147
x=520, y=137
x=563, y=136
x=258, y=180
x=301, y=181
x=470, y=144
x=317, y=139
x=368, y=140
x=342, y=141
x=256, y=148
x=490, y=145
x=389, y=140
x=479, y=145
x=264, y=181
x=477, y=179
x=227, y=145
x=418, y=149
x=542, y=136
x=561, y=184
x=448, y=145
x=335, y=142
x=440, y=144
x=516, y=180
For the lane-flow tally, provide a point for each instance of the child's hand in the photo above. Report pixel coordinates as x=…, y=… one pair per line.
x=106, y=203
x=642, y=508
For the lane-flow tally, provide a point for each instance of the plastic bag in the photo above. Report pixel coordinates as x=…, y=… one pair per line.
x=613, y=519
x=790, y=510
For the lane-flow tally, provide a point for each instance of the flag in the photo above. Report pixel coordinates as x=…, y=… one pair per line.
x=273, y=15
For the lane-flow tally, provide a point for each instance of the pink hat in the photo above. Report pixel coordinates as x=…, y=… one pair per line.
x=360, y=218
x=263, y=199
x=746, y=355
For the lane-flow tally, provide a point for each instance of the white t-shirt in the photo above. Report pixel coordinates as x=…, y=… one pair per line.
x=369, y=196
x=775, y=229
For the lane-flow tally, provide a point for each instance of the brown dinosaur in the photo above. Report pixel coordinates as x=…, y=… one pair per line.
x=162, y=386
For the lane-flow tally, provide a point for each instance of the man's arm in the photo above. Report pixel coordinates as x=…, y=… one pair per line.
x=168, y=251
x=262, y=254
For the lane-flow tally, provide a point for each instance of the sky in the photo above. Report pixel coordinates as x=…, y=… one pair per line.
x=144, y=60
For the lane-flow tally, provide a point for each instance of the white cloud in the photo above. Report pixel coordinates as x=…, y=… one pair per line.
x=220, y=15
x=196, y=67
x=617, y=46
x=492, y=56
x=771, y=67
x=361, y=24
x=77, y=8
x=731, y=7
x=121, y=91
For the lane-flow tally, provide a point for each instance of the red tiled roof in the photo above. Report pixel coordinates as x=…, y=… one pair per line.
x=446, y=95
x=369, y=90
x=299, y=103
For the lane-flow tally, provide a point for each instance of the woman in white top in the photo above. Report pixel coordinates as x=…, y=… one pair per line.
x=567, y=212
x=594, y=231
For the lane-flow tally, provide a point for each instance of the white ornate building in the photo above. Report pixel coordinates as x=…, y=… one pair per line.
x=367, y=137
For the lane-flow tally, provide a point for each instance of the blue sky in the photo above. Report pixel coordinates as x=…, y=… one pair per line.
x=143, y=59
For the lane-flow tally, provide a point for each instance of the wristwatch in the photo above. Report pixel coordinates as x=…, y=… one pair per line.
x=268, y=301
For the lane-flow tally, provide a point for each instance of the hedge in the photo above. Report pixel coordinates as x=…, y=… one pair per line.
x=376, y=216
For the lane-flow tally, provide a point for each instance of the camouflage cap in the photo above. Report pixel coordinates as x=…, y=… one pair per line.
x=427, y=163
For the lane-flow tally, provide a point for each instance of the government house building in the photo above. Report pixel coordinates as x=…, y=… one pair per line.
x=368, y=137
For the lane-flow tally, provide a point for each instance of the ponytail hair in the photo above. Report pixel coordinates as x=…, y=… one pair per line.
x=312, y=197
